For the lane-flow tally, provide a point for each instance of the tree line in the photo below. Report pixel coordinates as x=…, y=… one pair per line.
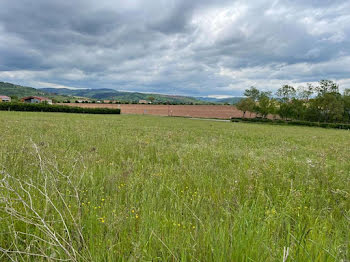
x=317, y=103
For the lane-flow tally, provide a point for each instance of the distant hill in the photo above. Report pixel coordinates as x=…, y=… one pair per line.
x=229, y=100
x=111, y=94
x=18, y=91
x=61, y=94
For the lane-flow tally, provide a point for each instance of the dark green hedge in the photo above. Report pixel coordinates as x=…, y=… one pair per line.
x=56, y=108
x=293, y=122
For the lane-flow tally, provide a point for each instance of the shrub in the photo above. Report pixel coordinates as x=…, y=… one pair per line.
x=56, y=108
x=292, y=122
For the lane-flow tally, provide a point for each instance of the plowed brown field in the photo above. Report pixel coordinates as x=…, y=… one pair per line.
x=202, y=111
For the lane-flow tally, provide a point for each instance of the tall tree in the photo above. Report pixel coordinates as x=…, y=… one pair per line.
x=264, y=104
x=298, y=109
x=346, y=99
x=252, y=93
x=246, y=105
x=305, y=93
x=321, y=103
x=286, y=93
x=330, y=106
x=285, y=110
x=327, y=86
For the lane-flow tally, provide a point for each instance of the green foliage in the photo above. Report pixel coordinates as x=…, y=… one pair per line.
x=327, y=106
x=326, y=87
x=292, y=122
x=305, y=93
x=265, y=104
x=246, y=105
x=14, y=98
x=330, y=107
x=299, y=109
x=286, y=93
x=145, y=188
x=252, y=93
x=55, y=108
x=285, y=110
x=346, y=100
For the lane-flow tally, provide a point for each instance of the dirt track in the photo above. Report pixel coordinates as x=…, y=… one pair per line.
x=202, y=111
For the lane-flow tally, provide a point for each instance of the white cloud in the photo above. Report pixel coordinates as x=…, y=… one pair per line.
x=52, y=85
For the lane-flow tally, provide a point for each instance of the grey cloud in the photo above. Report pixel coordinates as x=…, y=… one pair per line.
x=96, y=23
x=178, y=47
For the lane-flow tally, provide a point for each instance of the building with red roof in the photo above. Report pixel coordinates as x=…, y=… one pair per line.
x=36, y=100
x=5, y=99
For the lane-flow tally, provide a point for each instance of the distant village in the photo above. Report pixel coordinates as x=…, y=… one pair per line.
x=40, y=99
x=108, y=101
x=28, y=99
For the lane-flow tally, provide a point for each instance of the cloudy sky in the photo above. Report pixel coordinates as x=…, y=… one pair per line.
x=187, y=47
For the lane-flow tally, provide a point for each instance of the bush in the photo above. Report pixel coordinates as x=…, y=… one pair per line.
x=293, y=122
x=56, y=108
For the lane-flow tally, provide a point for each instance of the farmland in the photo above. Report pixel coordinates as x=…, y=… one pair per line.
x=203, y=111
x=149, y=188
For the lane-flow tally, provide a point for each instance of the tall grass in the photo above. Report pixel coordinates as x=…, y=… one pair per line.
x=109, y=188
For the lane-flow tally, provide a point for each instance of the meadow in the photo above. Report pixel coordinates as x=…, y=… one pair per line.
x=148, y=188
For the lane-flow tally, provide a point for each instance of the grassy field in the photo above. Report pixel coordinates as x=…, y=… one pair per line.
x=146, y=188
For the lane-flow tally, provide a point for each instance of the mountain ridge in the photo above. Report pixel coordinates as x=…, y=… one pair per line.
x=64, y=94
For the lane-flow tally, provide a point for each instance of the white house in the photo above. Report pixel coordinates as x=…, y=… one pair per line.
x=144, y=102
x=36, y=100
x=5, y=99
